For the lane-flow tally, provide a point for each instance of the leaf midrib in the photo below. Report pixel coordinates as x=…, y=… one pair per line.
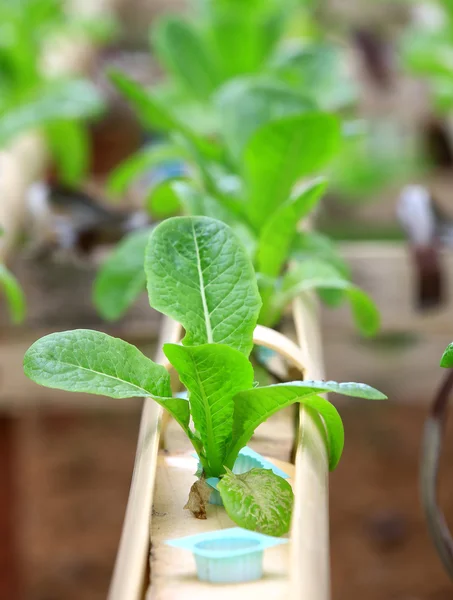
x=124, y=381
x=206, y=313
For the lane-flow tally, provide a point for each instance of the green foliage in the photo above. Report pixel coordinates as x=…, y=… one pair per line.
x=59, y=101
x=121, y=278
x=199, y=262
x=183, y=51
x=280, y=153
x=69, y=145
x=426, y=51
x=314, y=274
x=318, y=69
x=198, y=272
x=279, y=231
x=213, y=374
x=259, y=500
x=256, y=165
x=246, y=104
x=30, y=99
x=140, y=163
x=13, y=294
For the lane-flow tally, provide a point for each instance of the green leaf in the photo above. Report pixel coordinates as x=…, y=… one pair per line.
x=199, y=274
x=280, y=229
x=149, y=110
x=212, y=374
x=258, y=500
x=121, y=279
x=70, y=149
x=183, y=51
x=96, y=363
x=317, y=70
x=62, y=100
x=315, y=275
x=243, y=34
x=162, y=202
x=246, y=104
x=14, y=295
x=282, y=152
x=155, y=115
x=447, y=357
x=139, y=163
x=312, y=244
x=255, y=406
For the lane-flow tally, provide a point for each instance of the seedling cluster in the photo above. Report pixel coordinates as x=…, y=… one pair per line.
x=199, y=273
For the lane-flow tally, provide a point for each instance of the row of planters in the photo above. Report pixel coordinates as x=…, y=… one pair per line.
x=251, y=141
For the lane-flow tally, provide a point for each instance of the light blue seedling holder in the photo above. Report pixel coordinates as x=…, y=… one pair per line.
x=247, y=459
x=229, y=555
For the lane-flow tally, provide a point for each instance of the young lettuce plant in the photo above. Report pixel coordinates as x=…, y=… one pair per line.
x=199, y=273
x=271, y=139
x=246, y=121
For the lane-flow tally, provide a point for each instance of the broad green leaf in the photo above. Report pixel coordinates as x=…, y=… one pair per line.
x=280, y=229
x=315, y=275
x=70, y=149
x=183, y=51
x=243, y=34
x=282, y=152
x=62, y=100
x=96, y=363
x=199, y=274
x=258, y=500
x=139, y=163
x=121, y=279
x=14, y=295
x=255, y=406
x=447, y=358
x=246, y=104
x=212, y=374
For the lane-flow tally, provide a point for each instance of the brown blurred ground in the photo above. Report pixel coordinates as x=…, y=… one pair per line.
x=75, y=475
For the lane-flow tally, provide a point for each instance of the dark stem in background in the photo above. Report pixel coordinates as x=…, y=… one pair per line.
x=431, y=451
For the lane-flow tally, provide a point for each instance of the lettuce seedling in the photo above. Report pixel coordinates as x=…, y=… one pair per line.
x=199, y=273
x=240, y=109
